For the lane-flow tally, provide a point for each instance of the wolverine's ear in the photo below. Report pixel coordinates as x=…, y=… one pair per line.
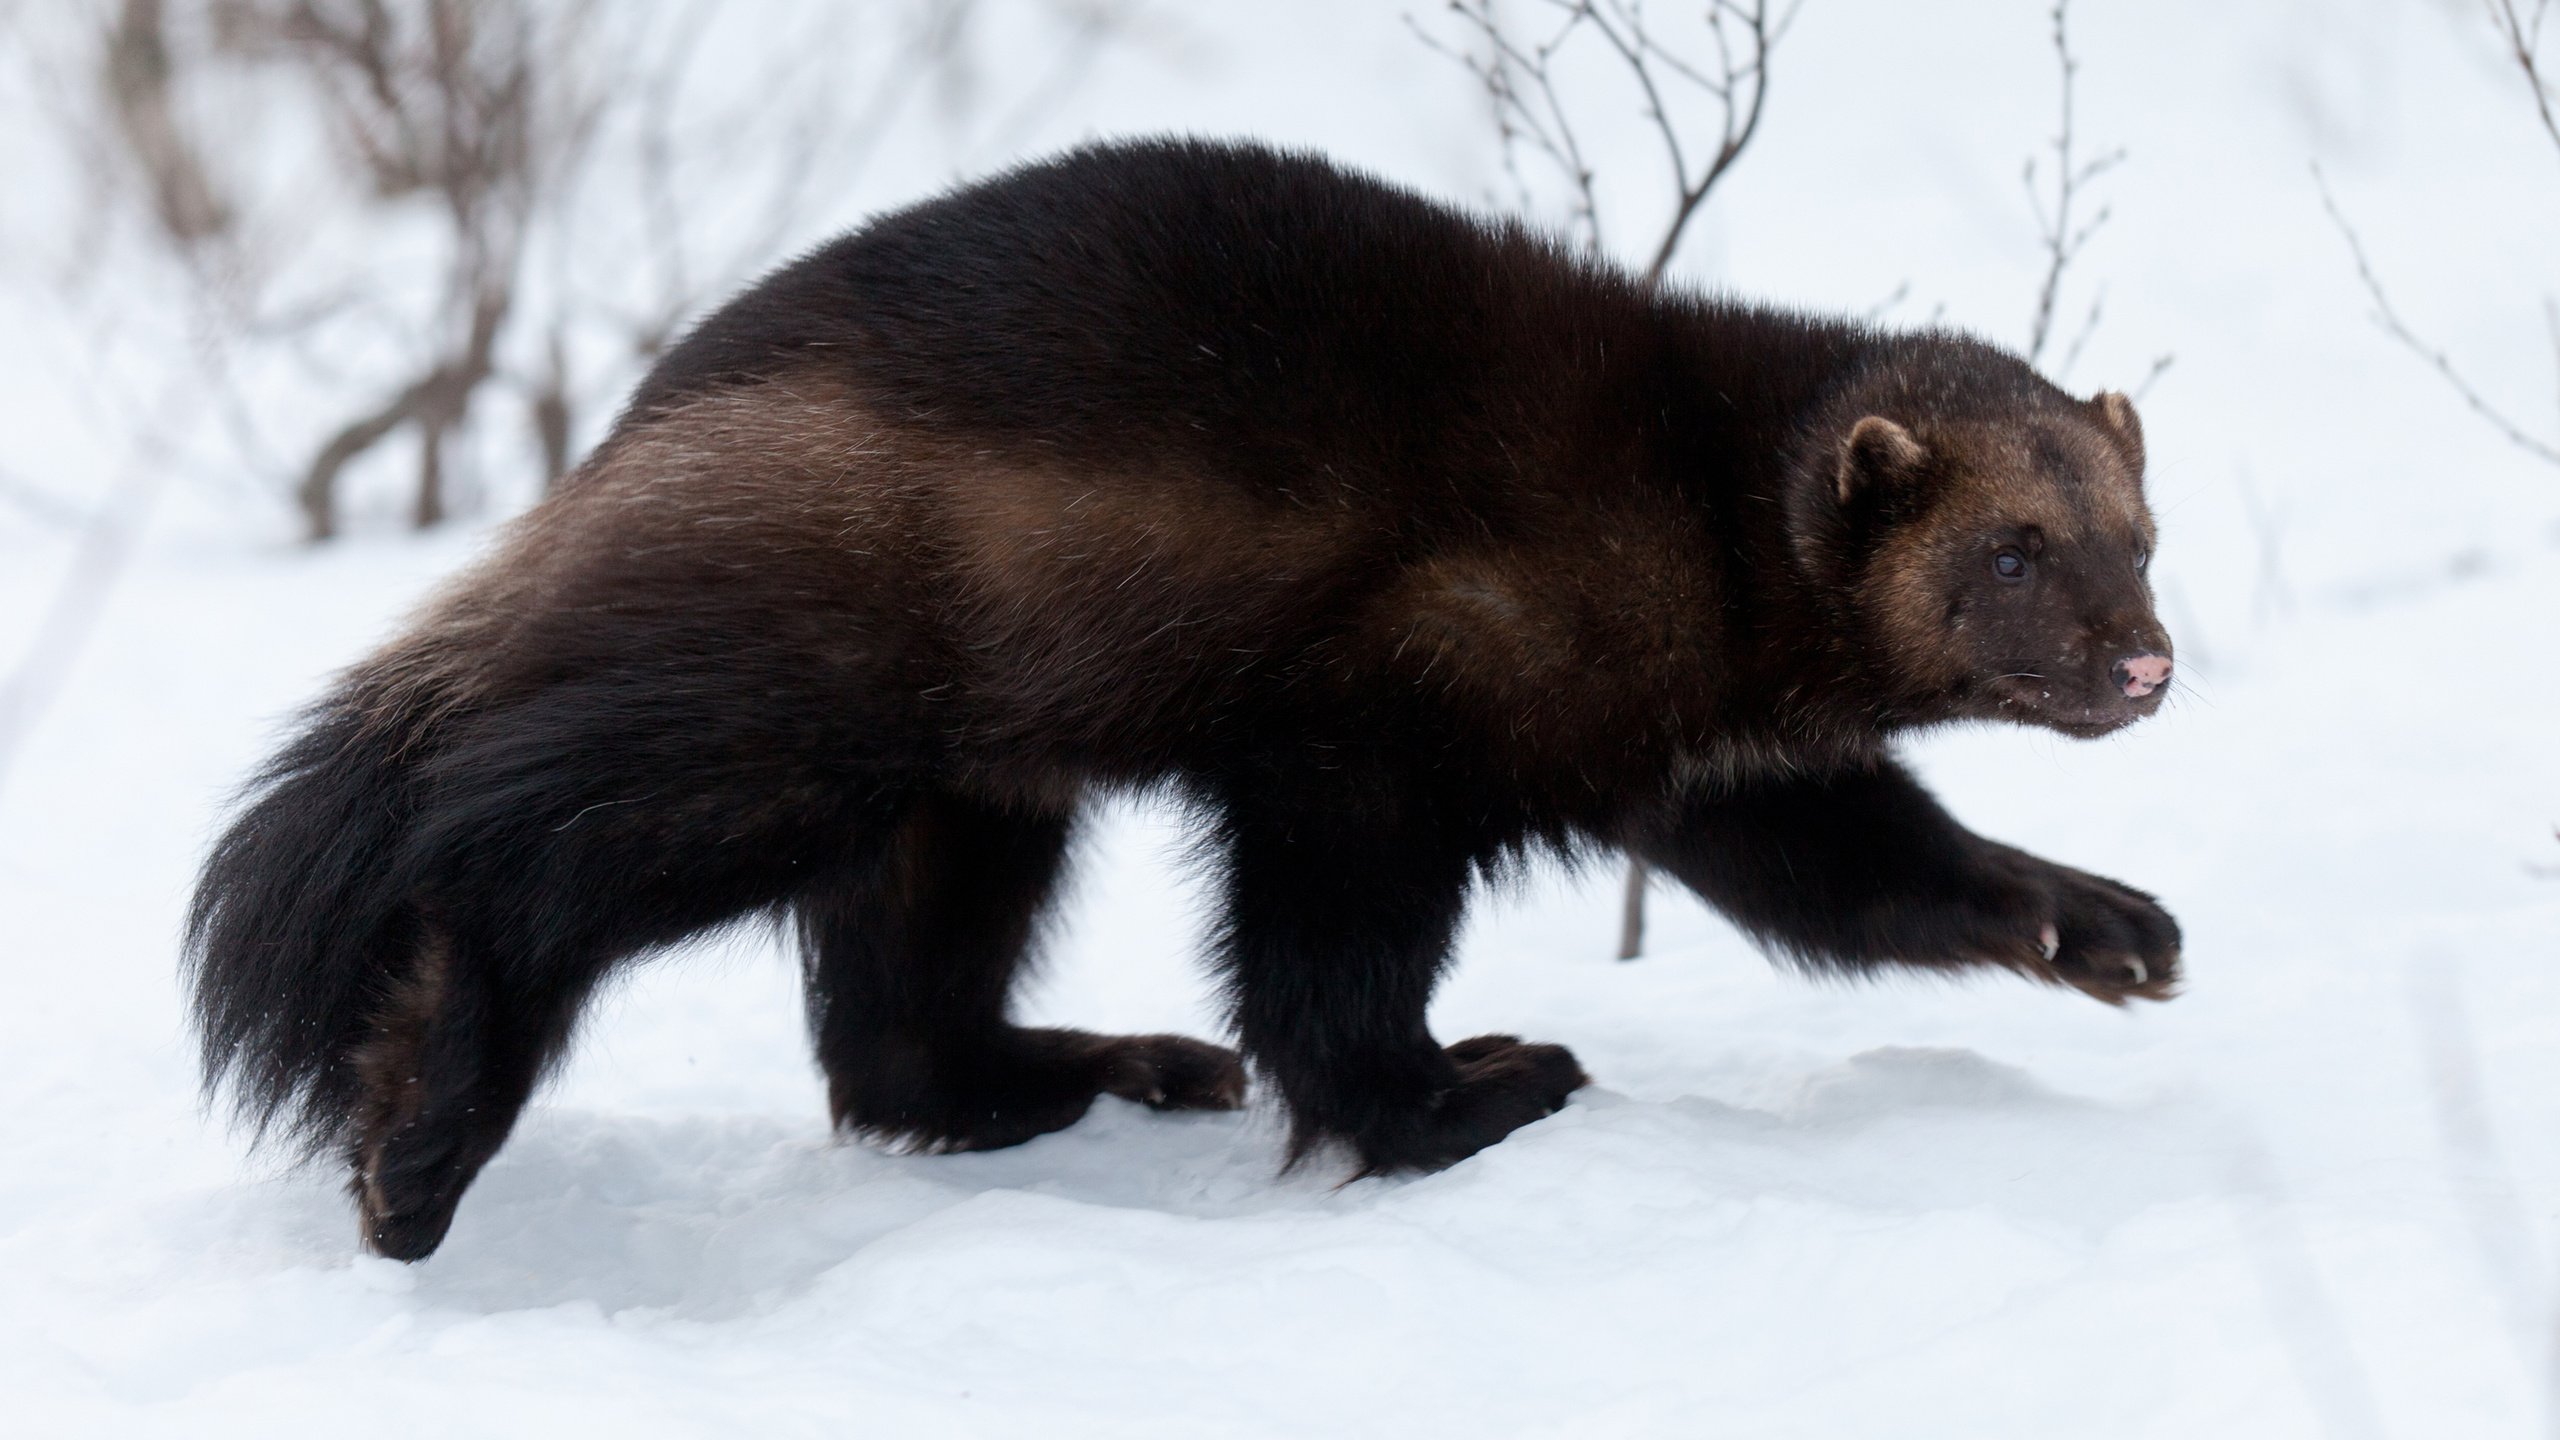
x=2116, y=409
x=1877, y=449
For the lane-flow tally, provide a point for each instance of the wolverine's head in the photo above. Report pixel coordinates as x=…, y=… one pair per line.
x=1996, y=550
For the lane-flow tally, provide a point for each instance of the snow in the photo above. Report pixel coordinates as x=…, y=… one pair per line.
x=2313, y=1196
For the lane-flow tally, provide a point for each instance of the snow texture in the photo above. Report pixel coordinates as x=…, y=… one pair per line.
x=2314, y=1196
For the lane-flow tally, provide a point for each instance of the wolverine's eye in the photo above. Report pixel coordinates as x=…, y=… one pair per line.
x=2010, y=565
x=2142, y=562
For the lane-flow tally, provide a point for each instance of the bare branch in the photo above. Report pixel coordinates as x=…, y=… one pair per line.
x=2523, y=39
x=2062, y=228
x=1741, y=117
x=1532, y=116
x=1534, y=119
x=478, y=106
x=2388, y=317
x=2062, y=238
x=435, y=405
x=2088, y=328
x=139, y=83
x=318, y=492
x=489, y=119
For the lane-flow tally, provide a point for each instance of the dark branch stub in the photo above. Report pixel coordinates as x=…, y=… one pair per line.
x=1631, y=910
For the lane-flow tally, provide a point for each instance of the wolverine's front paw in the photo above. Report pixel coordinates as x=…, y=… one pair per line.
x=2107, y=940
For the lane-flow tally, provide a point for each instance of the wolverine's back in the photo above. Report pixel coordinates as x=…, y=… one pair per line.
x=1269, y=314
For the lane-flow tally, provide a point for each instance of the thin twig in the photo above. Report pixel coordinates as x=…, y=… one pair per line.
x=2159, y=367
x=2063, y=237
x=2388, y=317
x=2523, y=40
x=2088, y=328
x=1536, y=120
x=1532, y=116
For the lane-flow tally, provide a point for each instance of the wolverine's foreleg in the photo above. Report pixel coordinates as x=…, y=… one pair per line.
x=1861, y=867
x=1340, y=912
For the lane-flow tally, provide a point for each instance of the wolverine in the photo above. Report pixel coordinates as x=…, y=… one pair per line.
x=1395, y=543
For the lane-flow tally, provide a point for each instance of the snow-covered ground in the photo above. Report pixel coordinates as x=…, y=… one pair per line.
x=2317, y=1195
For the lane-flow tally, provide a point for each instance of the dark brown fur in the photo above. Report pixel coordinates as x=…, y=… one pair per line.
x=1395, y=542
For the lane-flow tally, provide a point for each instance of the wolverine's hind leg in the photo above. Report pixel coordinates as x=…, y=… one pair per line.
x=453, y=1054
x=506, y=949
x=910, y=957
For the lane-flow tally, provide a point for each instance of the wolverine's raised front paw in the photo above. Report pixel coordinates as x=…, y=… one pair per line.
x=1504, y=1082
x=2103, y=939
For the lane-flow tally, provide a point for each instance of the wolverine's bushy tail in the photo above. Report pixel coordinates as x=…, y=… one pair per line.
x=300, y=925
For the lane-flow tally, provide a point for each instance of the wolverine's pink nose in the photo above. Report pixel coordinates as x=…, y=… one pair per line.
x=2139, y=675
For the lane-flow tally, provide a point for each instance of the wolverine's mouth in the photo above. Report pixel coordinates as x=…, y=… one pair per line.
x=2028, y=698
x=2085, y=726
